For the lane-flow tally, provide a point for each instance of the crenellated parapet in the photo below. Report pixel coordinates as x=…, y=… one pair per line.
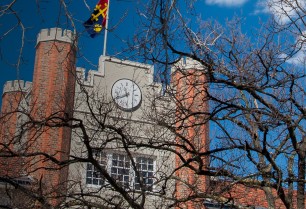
x=58, y=34
x=17, y=85
x=187, y=64
x=87, y=79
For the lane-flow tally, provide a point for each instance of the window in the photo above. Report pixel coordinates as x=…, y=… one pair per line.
x=145, y=171
x=93, y=176
x=120, y=168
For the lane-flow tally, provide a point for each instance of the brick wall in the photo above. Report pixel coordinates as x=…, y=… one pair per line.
x=244, y=196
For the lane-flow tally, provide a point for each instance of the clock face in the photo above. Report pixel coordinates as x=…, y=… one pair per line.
x=126, y=94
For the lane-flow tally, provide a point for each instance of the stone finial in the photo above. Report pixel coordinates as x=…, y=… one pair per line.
x=17, y=85
x=55, y=34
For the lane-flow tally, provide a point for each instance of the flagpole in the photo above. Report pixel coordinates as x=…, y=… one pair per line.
x=106, y=29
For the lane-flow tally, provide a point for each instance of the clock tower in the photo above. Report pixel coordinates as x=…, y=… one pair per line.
x=114, y=104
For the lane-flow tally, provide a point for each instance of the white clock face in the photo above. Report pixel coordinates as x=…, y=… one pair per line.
x=126, y=94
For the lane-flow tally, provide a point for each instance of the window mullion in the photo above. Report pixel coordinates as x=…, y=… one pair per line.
x=132, y=175
x=109, y=158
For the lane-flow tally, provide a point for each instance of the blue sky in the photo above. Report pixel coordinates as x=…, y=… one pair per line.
x=123, y=15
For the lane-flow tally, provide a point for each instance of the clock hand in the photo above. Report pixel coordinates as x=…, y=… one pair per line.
x=125, y=95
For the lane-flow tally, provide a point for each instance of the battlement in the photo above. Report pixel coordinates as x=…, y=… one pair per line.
x=58, y=34
x=187, y=64
x=17, y=85
x=89, y=79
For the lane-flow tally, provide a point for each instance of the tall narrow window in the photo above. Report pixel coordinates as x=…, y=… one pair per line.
x=145, y=167
x=120, y=170
x=93, y=176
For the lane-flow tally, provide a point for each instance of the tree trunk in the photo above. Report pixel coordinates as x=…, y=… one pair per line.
x=301, y=182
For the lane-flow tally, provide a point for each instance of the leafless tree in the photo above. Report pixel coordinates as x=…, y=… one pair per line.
x=250, y=90
x=256, y=93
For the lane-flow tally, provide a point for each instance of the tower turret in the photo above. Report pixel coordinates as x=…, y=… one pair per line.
x=189, y=81
x=52, y=102
x=13, y=105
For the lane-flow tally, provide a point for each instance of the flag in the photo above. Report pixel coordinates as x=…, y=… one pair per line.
x=97, y=20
